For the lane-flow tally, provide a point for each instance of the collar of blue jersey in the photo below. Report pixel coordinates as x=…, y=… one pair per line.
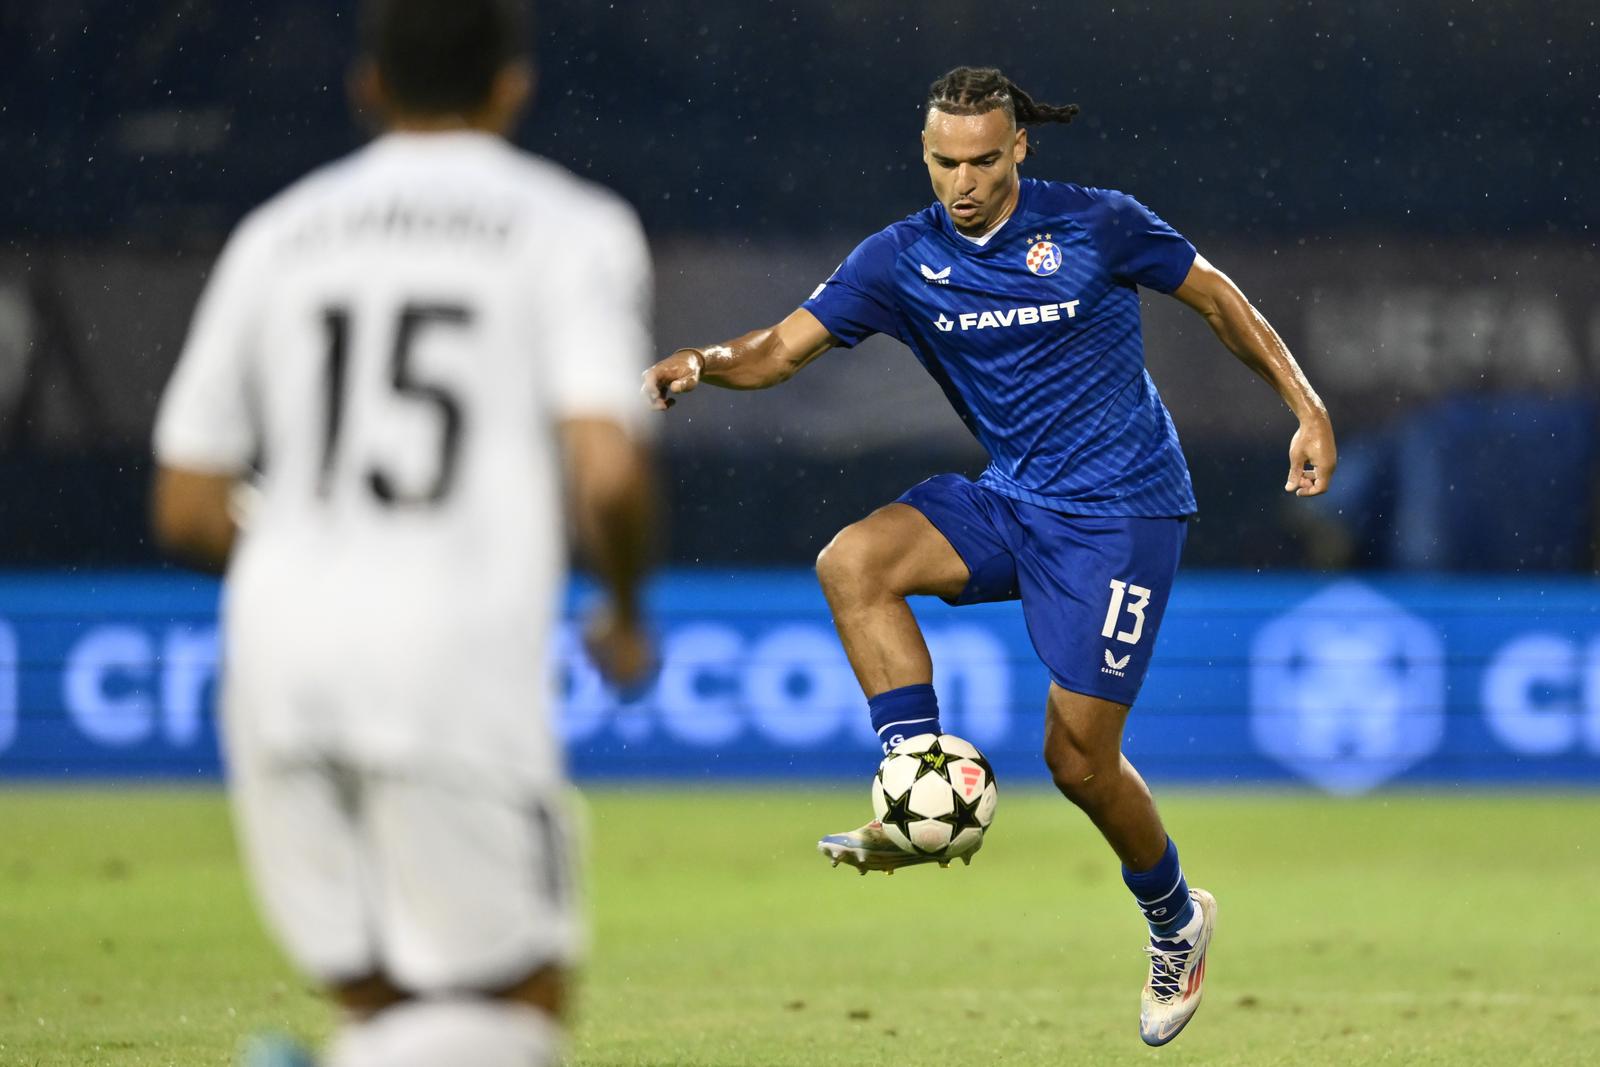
x=948, y=228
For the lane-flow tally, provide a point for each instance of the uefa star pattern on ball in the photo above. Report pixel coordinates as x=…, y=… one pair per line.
x=935, y=795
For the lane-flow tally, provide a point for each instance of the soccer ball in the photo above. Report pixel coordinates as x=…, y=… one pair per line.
x=935, y=795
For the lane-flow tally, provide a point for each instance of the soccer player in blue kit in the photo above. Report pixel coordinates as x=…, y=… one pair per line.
x=1020, y=298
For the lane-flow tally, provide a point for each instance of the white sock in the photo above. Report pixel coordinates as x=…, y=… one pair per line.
x=452, y=1032
x=1191, y=929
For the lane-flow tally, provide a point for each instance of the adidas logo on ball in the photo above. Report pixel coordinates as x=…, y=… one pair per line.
x=935, y=795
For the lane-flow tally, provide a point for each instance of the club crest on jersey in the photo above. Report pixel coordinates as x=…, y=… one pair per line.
x=1044, y=258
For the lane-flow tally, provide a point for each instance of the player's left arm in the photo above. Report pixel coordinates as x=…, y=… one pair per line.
x=1313, y=454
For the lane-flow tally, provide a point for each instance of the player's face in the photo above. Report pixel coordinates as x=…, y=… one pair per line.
x=972, y=160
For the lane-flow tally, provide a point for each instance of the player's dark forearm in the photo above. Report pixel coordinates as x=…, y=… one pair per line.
x=756, y=360
x=1246, y=333
x=206, y=550
x=190, y=520
x=615, y=525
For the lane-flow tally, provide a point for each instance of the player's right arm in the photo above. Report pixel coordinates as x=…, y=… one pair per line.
x=757, y=360
x=205, y=435
x=857, y=301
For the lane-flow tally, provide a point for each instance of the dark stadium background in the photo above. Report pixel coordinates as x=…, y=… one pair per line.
x=1401, y=191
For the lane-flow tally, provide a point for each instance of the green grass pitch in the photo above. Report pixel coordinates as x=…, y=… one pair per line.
x=1405, y=929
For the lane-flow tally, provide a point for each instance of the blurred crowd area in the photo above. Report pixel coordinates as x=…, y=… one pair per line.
x=1401, y=191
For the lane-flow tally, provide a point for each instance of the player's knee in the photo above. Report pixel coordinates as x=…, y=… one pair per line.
x=1079, y=776
x=848, y=565
x=544, y=989
x=368, y=995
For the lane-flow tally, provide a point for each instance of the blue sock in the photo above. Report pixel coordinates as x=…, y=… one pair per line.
x=1162, y=894
x=904, y=712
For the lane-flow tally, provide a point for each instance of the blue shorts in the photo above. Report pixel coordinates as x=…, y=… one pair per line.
x=1093, y=587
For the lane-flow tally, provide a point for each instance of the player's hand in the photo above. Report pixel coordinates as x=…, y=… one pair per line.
x=678, y=373
x=1312, y=457
x=619, y=645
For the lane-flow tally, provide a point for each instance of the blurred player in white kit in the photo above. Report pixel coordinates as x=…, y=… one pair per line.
x=406, y=351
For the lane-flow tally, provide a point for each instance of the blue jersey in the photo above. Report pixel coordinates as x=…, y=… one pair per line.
x=1035, y=338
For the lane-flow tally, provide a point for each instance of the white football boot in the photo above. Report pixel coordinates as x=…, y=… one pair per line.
x=1177, y=974
x=870, y=849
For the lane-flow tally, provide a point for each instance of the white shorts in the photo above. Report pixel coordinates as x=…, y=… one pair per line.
x=436, y=886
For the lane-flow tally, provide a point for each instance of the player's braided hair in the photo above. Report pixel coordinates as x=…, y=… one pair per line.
x=975, y=90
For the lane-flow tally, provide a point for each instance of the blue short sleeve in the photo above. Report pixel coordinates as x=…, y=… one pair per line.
x=1138, y=245
x=858, y=300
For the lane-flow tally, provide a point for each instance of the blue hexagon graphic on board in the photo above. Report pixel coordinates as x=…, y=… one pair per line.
x=1347, y=688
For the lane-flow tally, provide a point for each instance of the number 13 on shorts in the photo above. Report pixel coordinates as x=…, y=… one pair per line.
x=1120, y=592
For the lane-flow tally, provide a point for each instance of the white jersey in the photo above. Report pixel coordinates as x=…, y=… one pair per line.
x=392, y=340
